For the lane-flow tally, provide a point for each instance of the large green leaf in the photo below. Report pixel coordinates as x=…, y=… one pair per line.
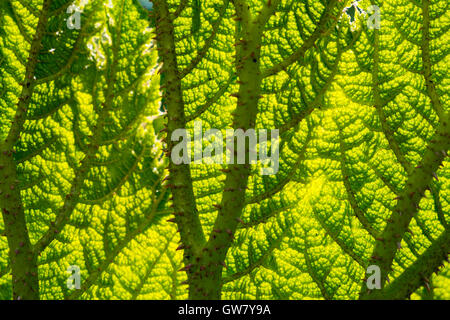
x=363, y=178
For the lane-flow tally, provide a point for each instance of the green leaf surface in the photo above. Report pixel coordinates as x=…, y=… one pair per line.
x=86, y=177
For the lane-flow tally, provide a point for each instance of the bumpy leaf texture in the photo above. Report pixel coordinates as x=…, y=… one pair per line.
x=363, y=114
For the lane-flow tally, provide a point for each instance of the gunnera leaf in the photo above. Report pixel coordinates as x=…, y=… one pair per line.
x=92, y=93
